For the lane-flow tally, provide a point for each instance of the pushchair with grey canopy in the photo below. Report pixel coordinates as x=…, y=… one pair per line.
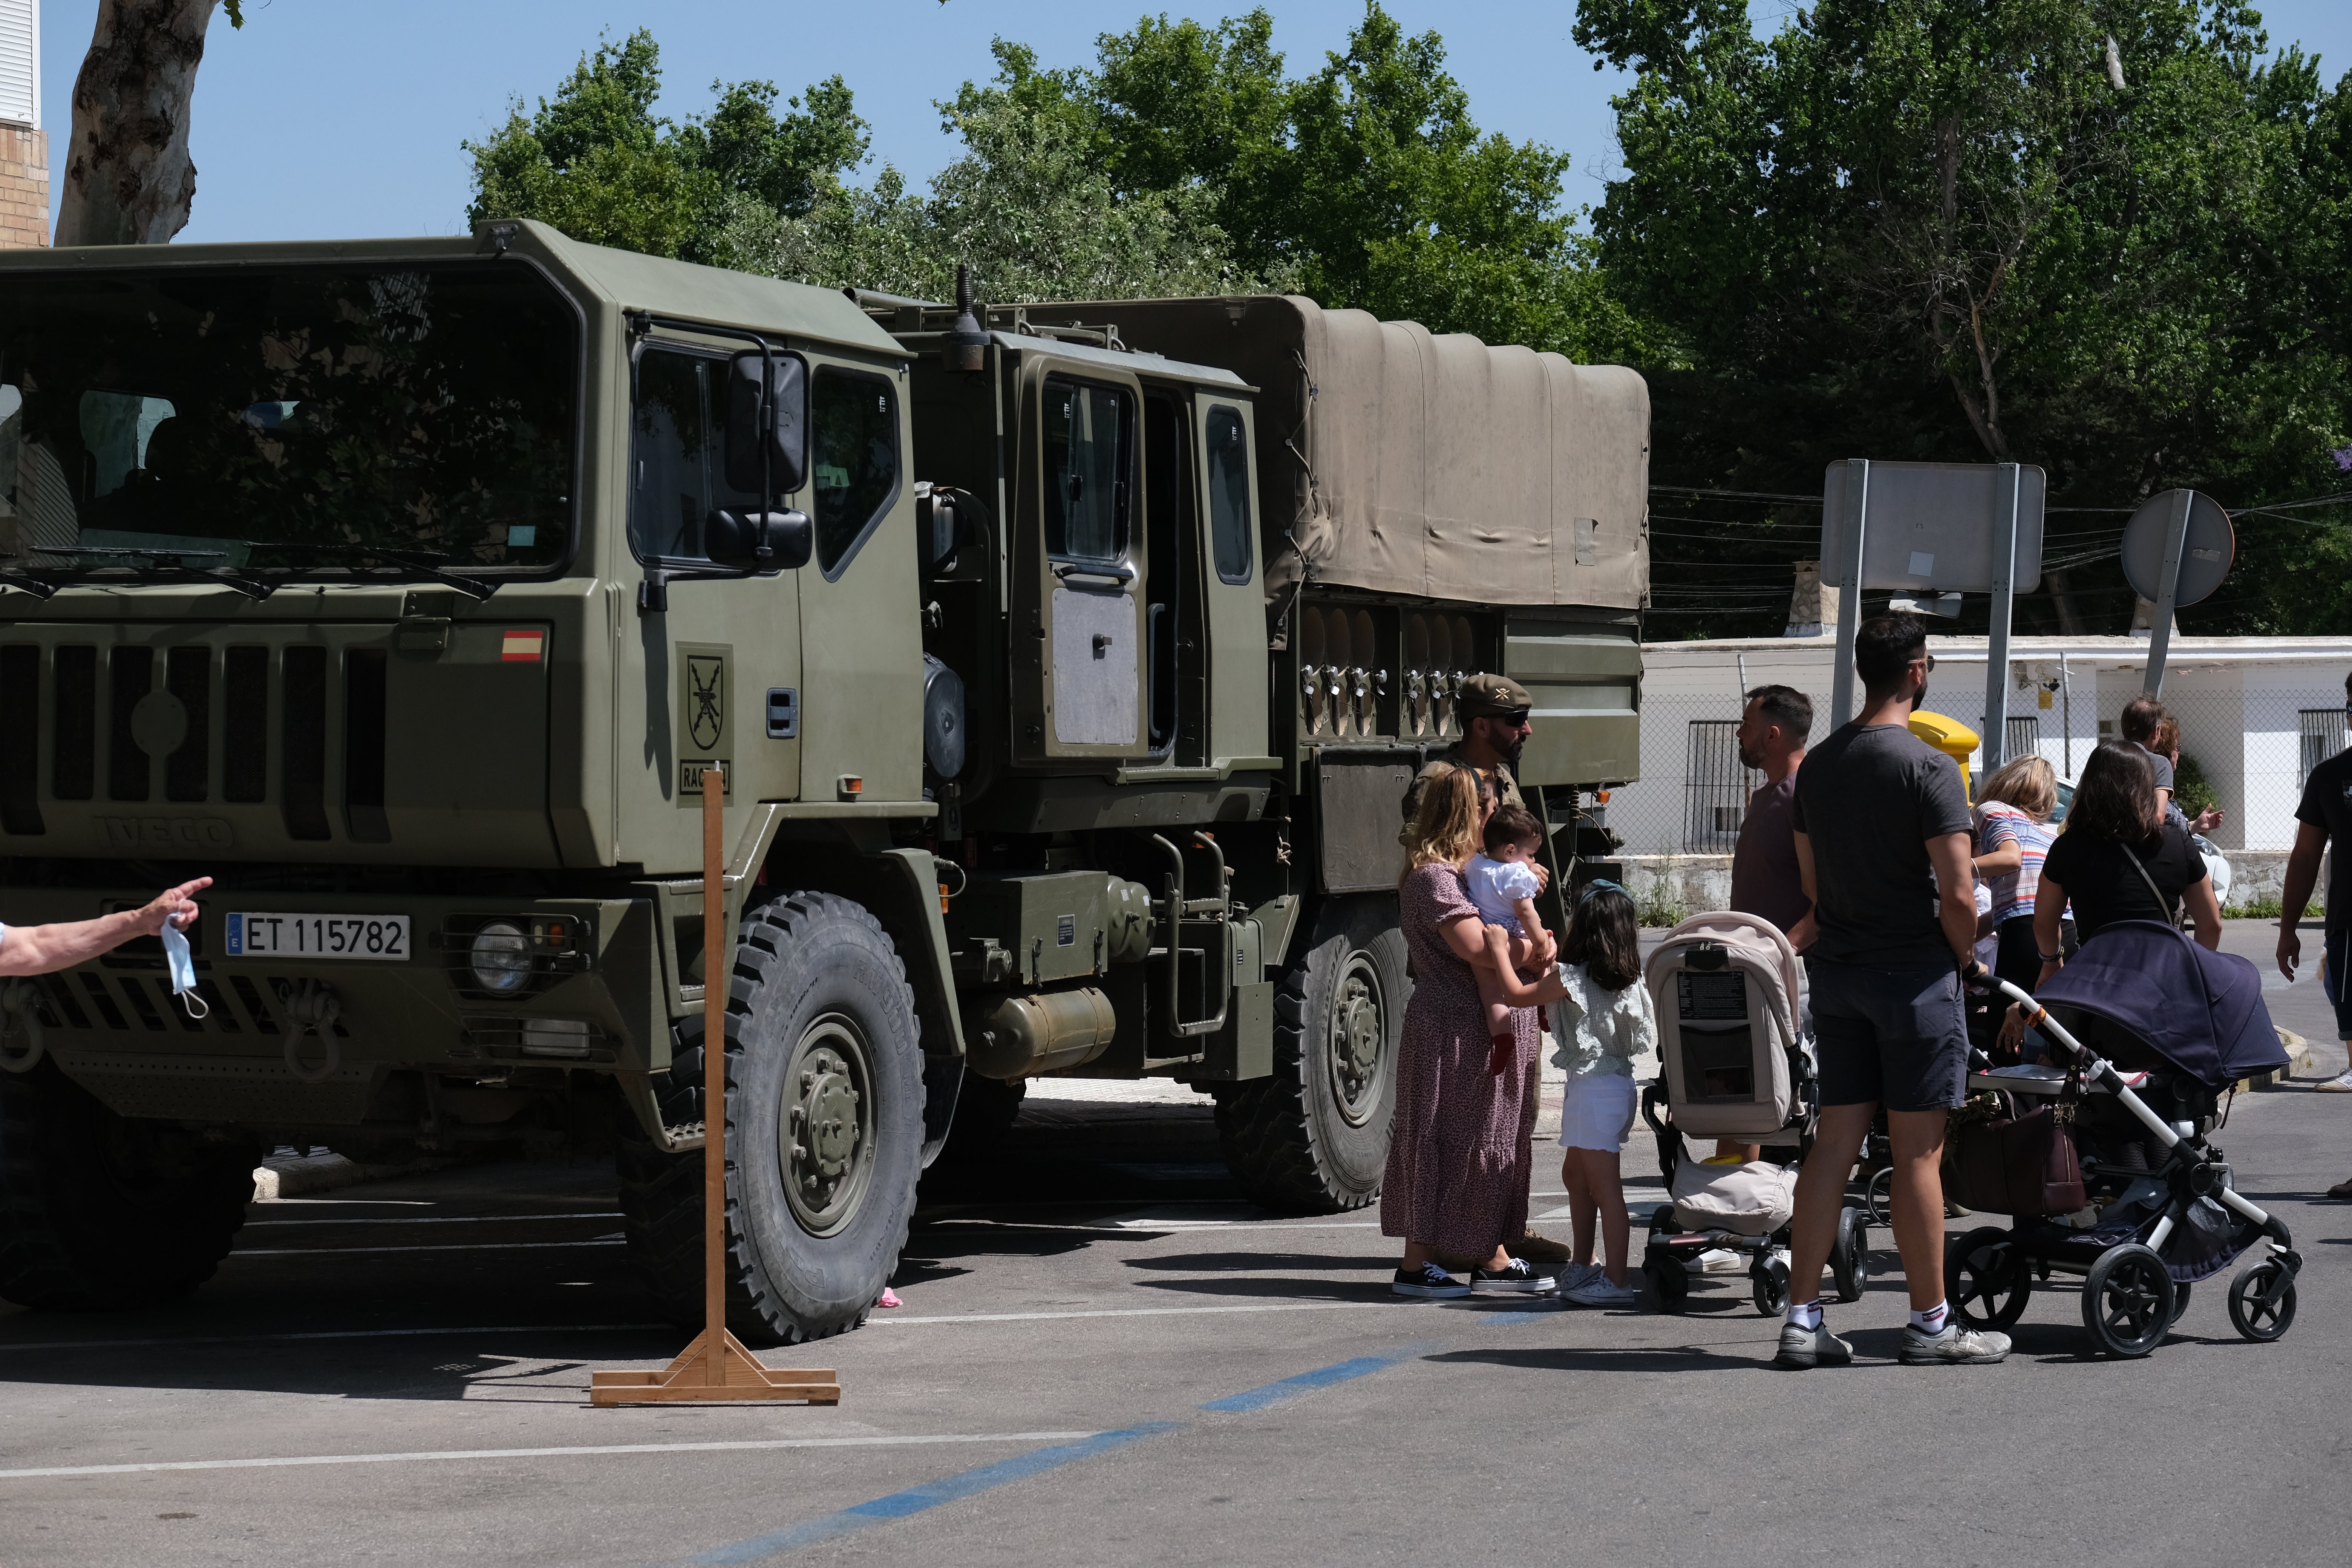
x=1738, y=1064
x=2158, y=1031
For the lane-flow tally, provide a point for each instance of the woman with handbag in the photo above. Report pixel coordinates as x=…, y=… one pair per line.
x=2118, y=859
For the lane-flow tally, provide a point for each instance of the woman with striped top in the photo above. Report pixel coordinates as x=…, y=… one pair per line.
x=2013, y=835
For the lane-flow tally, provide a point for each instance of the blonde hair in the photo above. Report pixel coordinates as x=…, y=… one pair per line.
x=1446, y=829
x=2029, y=783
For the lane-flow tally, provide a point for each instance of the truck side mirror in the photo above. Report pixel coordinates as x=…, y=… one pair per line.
x=945, y=524
x=787, y=407
x=759, y=541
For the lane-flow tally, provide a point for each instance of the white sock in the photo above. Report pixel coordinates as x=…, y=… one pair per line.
x=1931, y=1322
x=1805, y=1314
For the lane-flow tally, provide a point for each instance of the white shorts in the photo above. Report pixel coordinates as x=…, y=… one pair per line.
x=1597, y=1111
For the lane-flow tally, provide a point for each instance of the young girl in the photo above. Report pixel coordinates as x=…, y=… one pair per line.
x=1601, y=1025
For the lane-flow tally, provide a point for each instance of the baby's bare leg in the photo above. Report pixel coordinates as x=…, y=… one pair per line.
x=1490, y=980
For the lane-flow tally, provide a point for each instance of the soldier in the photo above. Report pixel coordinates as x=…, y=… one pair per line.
x=1495, y=730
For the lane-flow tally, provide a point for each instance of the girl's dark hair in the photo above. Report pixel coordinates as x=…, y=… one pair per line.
x=2116, y=797
x=1603, y=937
x=1512, y=824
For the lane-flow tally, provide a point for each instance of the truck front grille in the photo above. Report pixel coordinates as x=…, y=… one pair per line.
x=245, y=725
x=304, y=802
x=74, y=774
x=144, y=1004
x=20, y=739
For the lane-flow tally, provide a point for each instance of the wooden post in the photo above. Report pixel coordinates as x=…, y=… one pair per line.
x=716, y=1366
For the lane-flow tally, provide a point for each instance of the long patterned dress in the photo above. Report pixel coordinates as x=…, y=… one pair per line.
x=1463, y=1150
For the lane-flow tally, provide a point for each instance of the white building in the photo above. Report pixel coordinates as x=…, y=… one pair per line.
x=2255, y=714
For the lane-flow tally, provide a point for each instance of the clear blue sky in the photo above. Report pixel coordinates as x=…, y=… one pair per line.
x=328, y=119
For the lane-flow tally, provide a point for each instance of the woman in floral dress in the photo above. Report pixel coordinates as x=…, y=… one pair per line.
x=1461, y=1156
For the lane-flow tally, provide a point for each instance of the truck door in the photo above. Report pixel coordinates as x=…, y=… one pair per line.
x=718, y=674
x=1233, y=595
x=1080, y=631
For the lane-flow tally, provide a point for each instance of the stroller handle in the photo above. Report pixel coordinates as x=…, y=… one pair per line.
x=2102, y=1072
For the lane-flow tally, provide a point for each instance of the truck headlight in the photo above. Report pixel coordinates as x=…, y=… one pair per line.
x=501, y=958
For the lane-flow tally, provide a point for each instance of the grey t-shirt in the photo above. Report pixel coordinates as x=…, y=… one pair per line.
x=1876, y=794
x=2161, y=766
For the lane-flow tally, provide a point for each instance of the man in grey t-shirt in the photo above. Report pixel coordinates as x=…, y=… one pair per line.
x=1883, y=838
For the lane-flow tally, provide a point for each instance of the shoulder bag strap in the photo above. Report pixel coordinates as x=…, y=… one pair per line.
x=2167, y=905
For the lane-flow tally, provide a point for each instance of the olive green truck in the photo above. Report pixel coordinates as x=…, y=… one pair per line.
x=1067, y=663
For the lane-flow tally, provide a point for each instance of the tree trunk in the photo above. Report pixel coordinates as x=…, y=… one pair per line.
x=129, y=180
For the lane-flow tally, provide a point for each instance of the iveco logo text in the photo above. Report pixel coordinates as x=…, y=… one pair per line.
x=166, y=832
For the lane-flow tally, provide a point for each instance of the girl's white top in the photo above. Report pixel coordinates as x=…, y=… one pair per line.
x=1497, y=886
x=1598, y=1031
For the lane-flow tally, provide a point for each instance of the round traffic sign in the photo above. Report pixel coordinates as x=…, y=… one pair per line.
x=2205, y=556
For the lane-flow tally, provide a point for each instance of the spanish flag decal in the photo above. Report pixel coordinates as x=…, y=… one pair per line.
x=523, y=647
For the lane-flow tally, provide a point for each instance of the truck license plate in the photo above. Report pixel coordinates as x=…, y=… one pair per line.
x=317, y=936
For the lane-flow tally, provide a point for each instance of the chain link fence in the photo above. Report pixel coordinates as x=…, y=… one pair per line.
x=2249, y=736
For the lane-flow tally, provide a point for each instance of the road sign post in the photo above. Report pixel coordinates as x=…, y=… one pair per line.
x=2176, y=548
x=716, y=1366
x=2004, y=561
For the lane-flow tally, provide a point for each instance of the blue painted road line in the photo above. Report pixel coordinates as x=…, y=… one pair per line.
x=1519, y=1315
x=915, y=1500
x=987, y=1478
x=1307, y=1381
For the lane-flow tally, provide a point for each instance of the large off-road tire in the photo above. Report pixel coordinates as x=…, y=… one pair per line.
x=98, y=1210
x=825, y=1130
x=1314, y=1137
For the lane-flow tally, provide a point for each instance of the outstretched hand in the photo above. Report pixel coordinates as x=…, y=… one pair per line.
x=175, y=905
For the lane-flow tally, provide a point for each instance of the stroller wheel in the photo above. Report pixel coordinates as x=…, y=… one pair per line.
x=2127, y=1300
x=1771, y=1288
x=1849, y=1259
x=1668, y=1280
x=1986, y=1279
x=1878, y=1198
x=2253, y=1315
x=2181, y=1294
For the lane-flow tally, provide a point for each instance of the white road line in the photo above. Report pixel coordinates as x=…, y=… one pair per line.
x=1137, y=1227
x=443, y=1246
x=880, y=1322
x=541, y=1452
x=340, y=1334
x=442, y=1219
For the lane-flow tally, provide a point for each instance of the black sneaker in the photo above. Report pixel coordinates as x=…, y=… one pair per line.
x=1520, y=1277
x=1429, y=1283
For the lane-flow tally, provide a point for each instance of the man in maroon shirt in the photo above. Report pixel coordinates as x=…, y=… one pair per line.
x=1765, y=877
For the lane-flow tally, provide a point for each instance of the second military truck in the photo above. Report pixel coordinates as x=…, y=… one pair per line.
x=1066, y=665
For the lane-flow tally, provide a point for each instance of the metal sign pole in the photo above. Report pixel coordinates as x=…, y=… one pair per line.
x=1850, y=594
x=716, y=1366
x=2004, y=563
x=2176, y=545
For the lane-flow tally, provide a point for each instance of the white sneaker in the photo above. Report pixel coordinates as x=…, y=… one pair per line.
x=1715, y=1260
x=1574, y=1275
x=1598, y=1293
x=2340, y=1084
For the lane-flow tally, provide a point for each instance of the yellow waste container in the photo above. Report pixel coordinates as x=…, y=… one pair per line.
x=1952, y=738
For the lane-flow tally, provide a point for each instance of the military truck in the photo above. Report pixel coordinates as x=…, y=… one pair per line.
x=1064, y=664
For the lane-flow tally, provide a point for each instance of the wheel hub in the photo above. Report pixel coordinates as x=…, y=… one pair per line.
x=1358, y=1041
x=824, y=1139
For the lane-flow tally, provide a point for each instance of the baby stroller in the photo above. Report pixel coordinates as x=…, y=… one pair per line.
x=1730, y=994
x=2158, y=1030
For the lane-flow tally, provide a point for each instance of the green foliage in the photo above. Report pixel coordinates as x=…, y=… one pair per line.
x=597, y=163
x=1185, y=161
x=2192, y=790
x=1660, y=903
x=1953, y=229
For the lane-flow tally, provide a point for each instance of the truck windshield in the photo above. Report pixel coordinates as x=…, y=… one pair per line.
x=170, y=420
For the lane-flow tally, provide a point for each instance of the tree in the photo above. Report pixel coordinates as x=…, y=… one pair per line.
x=597, y=163
x=2101, y=236
x=129, y=179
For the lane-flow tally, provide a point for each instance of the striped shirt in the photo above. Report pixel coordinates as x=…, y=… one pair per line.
x=2004, y=824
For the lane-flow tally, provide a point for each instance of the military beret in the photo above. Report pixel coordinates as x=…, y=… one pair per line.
x=1496, y=696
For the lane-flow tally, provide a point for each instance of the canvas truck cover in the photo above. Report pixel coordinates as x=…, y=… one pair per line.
x=1400, y=461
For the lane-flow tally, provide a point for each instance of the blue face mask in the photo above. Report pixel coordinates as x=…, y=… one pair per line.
x=182, y=965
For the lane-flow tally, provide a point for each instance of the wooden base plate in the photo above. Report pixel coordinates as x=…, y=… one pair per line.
x=704, y=1373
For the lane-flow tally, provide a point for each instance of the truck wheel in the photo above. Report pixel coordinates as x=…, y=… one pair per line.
x=1314, y=1135
x=99, y=1211
x=825, y=1130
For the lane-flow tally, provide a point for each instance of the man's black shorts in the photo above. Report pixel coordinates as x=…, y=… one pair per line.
x=1895, y=1037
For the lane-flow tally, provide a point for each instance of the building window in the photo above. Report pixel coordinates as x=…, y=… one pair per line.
x=1716, y=787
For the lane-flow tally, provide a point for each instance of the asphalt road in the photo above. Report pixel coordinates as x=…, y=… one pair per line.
x=1105, y=1356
